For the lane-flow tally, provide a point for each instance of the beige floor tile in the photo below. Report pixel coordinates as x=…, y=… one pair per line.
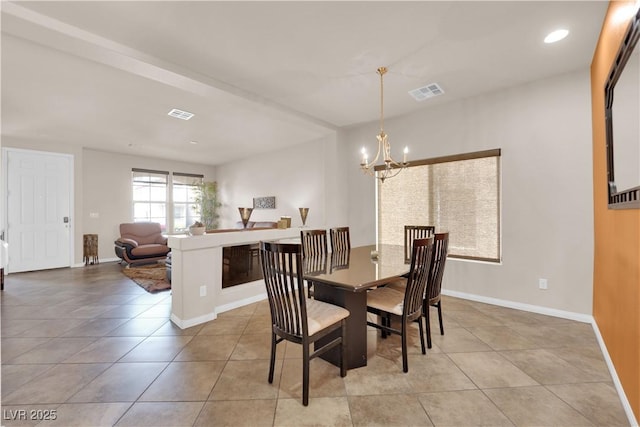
x=501, y=338
x=233, y=413
x=458, y=340
x=127, y=311
x=259, y=324
x=106, y=349
x=247, y=310
x=205, y=347
x=122, y=382
x=462, y=408
x=14, y=376
x=95, y=328
x=53, y=351
x=247, y=379
x=88, y=414
x=13, y=347
x=161, y=414
x=229, y=325
x=472, y=317
x=387, y=411
x=138, y=327
x=535, y=406
x=380, y=376
x=436, y=372
x=598, y=402
x=254, y=346
x=157, y=349
x=586, y=358
x=54, y=328
x=159, y=310
x=491, y=370
x=16, y=327
x=184, y=381
x=55, y=385
x=322, y=411
x=324, y=379
x=545, y=367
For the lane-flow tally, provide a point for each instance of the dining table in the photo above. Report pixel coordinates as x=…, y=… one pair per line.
x=343, y=279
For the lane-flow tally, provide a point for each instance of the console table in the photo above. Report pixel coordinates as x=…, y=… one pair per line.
x=196, y=274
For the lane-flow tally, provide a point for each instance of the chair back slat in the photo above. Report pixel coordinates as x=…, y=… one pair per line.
x=413, y=232
x=421, y=257
x=283, y=278
x=439, y=258
x=340, y=239
x=314, y=242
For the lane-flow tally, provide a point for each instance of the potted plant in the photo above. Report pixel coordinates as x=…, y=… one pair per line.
x=207, y=204
x=197, y=229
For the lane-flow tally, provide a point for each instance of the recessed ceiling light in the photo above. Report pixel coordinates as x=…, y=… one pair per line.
x=556, y=36
x=179, y=114
x=193, y=142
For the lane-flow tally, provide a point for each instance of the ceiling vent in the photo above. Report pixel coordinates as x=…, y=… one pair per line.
x=179, y=114
x=425, y=92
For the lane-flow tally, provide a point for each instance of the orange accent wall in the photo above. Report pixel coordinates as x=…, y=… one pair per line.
x=616, y=287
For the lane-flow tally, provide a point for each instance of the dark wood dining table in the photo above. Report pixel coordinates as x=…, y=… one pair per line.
x=343, y=279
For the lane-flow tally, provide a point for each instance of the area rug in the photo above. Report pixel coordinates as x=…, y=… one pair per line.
x=151, y=277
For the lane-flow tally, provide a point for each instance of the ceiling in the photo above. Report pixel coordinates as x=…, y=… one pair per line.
x=262, y=76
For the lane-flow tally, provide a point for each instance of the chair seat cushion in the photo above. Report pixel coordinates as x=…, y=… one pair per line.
x=399, y=285
x=321, y=315
x=386, y=299
x=150, y=250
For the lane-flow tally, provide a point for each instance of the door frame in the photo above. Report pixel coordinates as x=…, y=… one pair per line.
x=4, y=192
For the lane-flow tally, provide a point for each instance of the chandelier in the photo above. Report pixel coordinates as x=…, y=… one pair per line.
x=390, y=168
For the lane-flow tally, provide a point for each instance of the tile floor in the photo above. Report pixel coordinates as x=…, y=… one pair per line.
x=93, y=348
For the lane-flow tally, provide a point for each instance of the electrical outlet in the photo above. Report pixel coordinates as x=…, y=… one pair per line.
x=542, y=283
x=203, y=291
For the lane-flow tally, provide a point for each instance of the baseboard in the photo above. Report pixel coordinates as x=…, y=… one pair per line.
x=579, y=317
x=184, y=324
x=82, y=264
x=584, y=318
x=241, y=303
x=614, y=376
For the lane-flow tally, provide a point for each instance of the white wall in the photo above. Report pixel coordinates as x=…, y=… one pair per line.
x=107, y=191
x=306, y=175
x=544, y=131
x=102, y=185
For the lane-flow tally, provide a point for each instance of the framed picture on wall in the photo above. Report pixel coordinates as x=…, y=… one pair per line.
x=264, y=202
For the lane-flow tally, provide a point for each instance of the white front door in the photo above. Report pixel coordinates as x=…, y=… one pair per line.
x=39, y=228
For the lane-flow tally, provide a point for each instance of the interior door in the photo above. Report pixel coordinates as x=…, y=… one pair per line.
x=38, y=210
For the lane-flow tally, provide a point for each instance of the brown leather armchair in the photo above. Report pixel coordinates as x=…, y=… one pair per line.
x=141, y=242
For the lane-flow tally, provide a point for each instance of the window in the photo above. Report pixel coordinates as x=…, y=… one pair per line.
x=185, y=191
x=459, y=194
x=150, y=196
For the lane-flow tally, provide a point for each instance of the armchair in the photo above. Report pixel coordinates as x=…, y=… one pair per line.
x=141, y=242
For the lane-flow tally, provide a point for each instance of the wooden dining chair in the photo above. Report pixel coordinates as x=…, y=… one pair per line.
x=314, y=244
x=434, y=283
x=413, y=232
x=295, y=317
x=340, y=240
x=386, y=301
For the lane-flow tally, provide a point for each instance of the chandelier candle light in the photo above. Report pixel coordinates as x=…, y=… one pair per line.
x=390, y=168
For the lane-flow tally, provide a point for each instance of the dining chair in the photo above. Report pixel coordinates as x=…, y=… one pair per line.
x=386, y=301
x=340, y=240
x=294, y=317
x=314, y=244
x=434, y=283
x=412, y=232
